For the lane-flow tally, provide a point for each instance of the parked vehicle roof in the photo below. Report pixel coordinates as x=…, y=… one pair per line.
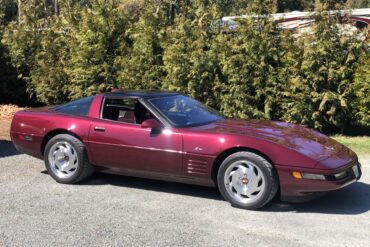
x=140, y=93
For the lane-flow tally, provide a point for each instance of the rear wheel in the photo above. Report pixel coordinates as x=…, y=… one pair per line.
x=247, y=180
x=65, y=159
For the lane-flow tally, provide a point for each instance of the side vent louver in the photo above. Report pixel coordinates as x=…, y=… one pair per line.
x=197, y=166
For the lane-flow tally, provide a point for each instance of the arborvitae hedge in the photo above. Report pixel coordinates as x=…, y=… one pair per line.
x=319, y=78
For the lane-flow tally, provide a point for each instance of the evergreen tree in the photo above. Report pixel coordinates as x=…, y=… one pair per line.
x=49, y=78
x=294, y=5
x=361, y=88
x=321, y=91
x=23, y=41
x=251, y=64
x=142, y=66
x=189, y=58
x=94, y=49
x=60, y=50
x=10, y=84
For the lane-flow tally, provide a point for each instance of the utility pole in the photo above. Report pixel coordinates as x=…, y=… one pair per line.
x=19, y=11
x=56, y=7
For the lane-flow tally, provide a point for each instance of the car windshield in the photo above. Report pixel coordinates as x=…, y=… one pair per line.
x=183, y=111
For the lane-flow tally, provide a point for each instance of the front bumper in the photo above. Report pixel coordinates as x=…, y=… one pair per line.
x=297, y=190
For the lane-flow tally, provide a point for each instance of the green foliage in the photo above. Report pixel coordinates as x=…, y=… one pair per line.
x=141, y=66
x=359, y=144
x=289, y=5
x=321, y=90
x=361, y=88
x=250, y=63
x=23, y=39
x=57, y=50
x=50, y=80
x=11, y=84
x=93, y=49
x=8, y=12
x=189, y=57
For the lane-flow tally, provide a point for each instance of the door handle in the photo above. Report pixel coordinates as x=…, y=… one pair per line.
x=98, y=128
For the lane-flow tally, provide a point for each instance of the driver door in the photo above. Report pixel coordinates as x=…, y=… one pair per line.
x=117, y=140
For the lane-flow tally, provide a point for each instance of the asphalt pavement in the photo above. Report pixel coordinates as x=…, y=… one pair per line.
x=109, y=210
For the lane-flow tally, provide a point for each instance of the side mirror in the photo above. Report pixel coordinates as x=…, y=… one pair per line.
x=152, y=123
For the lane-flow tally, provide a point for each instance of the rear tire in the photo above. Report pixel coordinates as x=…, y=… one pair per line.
x=66, y=160
x=247, y=180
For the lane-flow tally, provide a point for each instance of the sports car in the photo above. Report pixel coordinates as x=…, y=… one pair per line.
x=169, y=136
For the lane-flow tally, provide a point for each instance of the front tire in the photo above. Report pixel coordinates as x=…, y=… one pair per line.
x=247, y=180
x=65, y=159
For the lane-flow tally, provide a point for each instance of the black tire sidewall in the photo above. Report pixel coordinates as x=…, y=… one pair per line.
x=78, y=147
x=266, y=173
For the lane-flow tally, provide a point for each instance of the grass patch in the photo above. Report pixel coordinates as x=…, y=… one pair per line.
x=359, y=144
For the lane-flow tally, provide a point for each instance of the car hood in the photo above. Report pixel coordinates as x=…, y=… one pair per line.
x=303, y=140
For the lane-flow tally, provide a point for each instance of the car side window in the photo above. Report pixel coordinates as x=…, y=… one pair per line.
x=126, y=110
x=79, y=107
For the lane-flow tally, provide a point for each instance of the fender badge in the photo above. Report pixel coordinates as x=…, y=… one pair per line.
x=28, y=138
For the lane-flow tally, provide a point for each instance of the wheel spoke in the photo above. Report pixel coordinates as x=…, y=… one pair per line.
x=58, y=154
x=70, y=152
x=249, y=192
x=69, y=167
x=229, y=185
x=244, y=190
x=238, y=190
x=258, y=177
x=242, y=169
x=58, y=165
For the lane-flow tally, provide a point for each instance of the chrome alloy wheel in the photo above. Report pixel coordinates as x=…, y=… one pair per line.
x=244, y=181
x=63, y=159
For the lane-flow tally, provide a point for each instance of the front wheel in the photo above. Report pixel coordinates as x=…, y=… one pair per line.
x=65, y=159
x=247, y=180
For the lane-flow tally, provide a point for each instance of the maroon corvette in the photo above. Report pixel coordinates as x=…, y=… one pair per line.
x=169, y=136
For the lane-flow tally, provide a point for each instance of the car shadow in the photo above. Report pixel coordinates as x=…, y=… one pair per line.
x=7, y=149
x=352, y=200
x=153, y=185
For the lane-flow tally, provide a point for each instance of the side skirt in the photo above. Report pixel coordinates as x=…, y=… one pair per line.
x=208, y=182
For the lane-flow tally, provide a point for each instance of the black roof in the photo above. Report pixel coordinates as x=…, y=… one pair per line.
x=140, y=94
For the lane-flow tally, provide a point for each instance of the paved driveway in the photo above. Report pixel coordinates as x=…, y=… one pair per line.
x=112, y=210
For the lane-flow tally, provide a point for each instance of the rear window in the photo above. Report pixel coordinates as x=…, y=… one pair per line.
x=79, y=107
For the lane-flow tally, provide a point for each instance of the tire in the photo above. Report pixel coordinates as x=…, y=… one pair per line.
x=247, y=180
x=66, y=160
